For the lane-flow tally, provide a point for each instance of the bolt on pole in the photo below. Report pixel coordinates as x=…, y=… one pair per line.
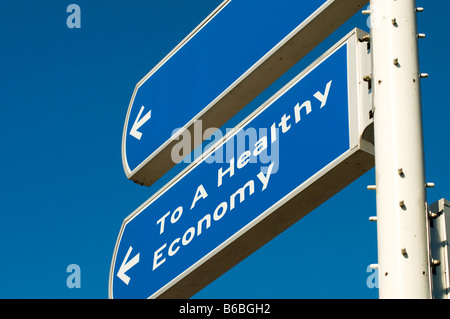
x=402, y=222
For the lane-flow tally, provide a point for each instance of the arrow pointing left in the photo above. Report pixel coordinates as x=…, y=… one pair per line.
x=126, y=265
x=139, y=122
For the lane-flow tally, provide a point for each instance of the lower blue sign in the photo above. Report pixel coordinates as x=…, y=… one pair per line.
x=284, y=144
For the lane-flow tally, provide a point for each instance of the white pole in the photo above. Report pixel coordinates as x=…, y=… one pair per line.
x=403, y=257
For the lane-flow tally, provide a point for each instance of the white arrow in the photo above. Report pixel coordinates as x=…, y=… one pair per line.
x=139, y=122
x=126, y=265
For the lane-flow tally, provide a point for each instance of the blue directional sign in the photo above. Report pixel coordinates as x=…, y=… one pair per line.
x=249, y=188
x=237, y=52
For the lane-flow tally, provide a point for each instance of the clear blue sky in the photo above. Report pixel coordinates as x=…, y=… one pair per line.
x=64, y=194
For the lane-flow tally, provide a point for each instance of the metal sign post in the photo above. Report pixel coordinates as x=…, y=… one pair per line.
x=403, y=255
x=439, y=228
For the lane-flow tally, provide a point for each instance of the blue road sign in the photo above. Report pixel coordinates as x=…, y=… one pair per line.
x=248, y=189
x=237, y=52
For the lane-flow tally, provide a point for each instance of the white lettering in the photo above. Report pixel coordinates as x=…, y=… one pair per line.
x=221, y=174
x=207, y=218
x=323, y=97
x=224, y=207
x=255, y=153
x=175, y=217
x=158, y=255
x=265, y=179
x=260, y=146
x=283, y=123
x=273, y=133
x=243, y=159
x=161, y=221
x=171, y=251
x=191, y=233
x=200, y=193
x=299, y=107
x=241, y=191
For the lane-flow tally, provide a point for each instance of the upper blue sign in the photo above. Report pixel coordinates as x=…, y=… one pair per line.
x=234, y=55
x=258, y=168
